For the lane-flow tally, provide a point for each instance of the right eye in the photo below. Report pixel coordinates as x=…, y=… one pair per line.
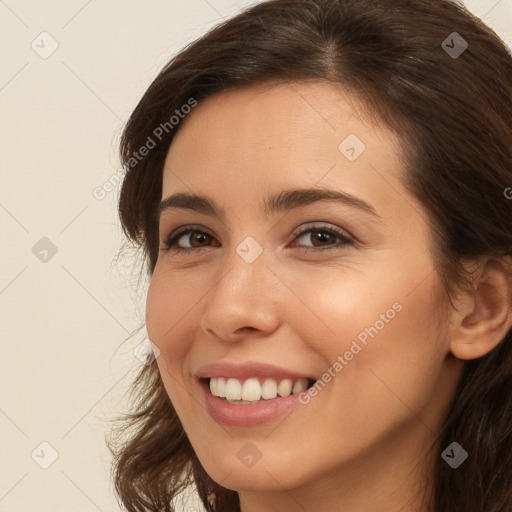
x=184, y=236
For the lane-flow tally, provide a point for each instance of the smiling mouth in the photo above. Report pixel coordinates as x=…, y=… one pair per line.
x=255, y=389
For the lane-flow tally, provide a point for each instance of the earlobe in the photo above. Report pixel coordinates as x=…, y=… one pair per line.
x=484, y=316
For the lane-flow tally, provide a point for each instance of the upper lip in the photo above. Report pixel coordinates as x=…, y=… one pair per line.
x=246, y=370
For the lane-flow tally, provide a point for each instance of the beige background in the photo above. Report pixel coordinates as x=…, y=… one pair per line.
x=64, y=316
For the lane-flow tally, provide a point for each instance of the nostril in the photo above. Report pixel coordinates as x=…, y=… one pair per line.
x=243, y=329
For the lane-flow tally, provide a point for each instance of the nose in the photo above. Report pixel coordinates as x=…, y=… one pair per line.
x=243, y=302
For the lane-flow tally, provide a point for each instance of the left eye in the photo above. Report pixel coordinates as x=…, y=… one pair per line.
x=325, y=236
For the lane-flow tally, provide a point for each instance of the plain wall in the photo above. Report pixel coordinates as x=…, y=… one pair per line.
x=66, y=306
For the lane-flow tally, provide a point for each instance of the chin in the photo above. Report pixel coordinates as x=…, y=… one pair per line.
x=253, y=480
x=270, y=476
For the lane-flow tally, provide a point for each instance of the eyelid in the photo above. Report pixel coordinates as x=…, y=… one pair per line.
x=327, y=226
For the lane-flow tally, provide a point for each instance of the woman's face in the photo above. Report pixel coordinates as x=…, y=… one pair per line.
x=276, y=282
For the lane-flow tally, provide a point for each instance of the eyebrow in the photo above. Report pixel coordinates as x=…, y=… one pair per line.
x=283, y=201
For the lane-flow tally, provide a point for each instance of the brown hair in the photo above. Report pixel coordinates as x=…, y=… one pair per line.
x=453, y=114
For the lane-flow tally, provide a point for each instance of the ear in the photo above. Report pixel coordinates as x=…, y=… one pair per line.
x=484, y=316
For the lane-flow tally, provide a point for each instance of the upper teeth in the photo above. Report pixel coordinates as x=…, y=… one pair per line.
x=251, y=389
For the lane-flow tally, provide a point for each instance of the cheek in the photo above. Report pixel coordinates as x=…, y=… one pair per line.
x=169, y=309
x=395, y=377
x=340, y=306
x=380, y=309
x=169, y=304
x=391, y=345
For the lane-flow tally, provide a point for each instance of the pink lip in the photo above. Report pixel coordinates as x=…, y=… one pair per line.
x=246, y=370
x=246, y=415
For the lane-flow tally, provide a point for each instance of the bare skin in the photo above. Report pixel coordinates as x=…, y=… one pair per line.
x=359, y=444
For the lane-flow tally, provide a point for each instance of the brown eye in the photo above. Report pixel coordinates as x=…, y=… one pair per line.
x=323, y=238
x=197, y=237
x=187, y=240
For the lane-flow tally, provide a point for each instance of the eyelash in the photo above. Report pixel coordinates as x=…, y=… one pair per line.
x=169, y=244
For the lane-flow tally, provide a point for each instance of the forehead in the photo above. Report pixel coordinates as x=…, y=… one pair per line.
x=272, y=137
x=280, y=116
x=293, y=122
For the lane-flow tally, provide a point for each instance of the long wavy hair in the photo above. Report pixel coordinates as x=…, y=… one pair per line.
x=453, y=115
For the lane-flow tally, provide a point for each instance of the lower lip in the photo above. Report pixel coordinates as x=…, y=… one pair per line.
x=246, y=415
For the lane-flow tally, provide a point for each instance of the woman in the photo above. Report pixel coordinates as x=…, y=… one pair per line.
x=320, y=189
